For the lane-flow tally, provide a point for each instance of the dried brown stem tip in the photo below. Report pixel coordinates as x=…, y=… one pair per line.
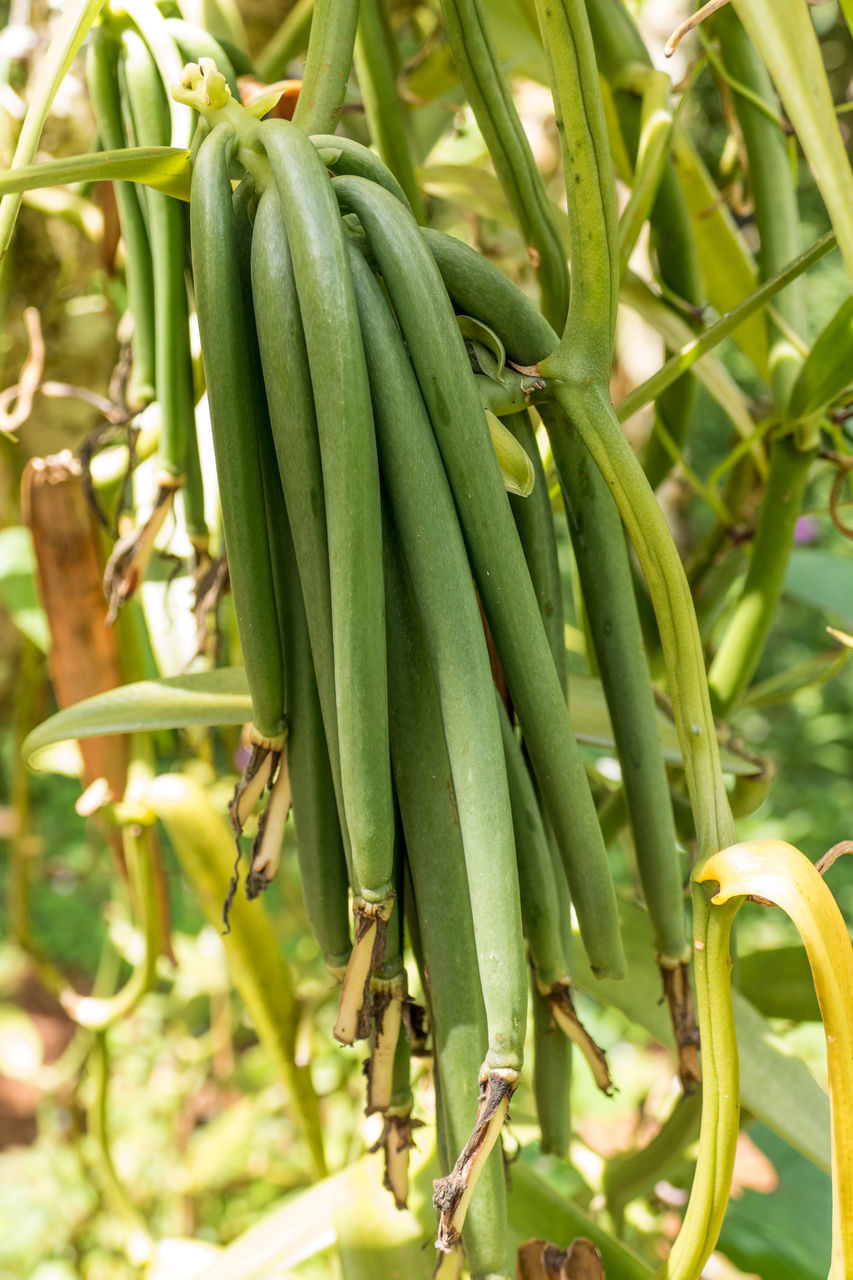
x=679, y=997
x=396, y=1141
x=266, y=849
x=538, y=1260
x=387, y=1010
x=452, y=1194
x=563, y=1011
x=368, y=952
x=690, y=23
x=262, y=770
x=128, y=564
x=837, y=851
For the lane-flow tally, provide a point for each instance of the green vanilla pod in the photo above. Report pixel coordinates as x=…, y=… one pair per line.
x=228, y=363
x=290, y=398
x=542, y=905
x=353, y=520
x=442, y=909
x=346, y=156
x=535, y=524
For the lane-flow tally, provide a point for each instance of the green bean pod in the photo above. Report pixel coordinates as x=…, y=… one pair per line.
x=346, y=156
x=290, y=397
x=320, y=849
x=319, y=843
x=488, y=92
x=353, y=520
x=102, y=83
x=436, y=862
x=238, y=425
x=438, y=354
x=478, y=288
x=608, y=592
x=552, y=1077
x=429, y=533
x=545, y=908
x=351, y=487
x=149, y=112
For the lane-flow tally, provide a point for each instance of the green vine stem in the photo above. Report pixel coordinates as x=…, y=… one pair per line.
x=488, y=92
x=330, y=50
x=714, y=334
x=628, y=1176
x=376, y=63
x=99, y=1012
x=98, y=1118
x=773, y=190
x=791, y=455
x=742, y=644
x=75, y=20
x=586, y=347
x=581, y=364
x=619, y=48
x=286, y=42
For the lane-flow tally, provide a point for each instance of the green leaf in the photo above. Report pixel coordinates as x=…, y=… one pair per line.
x=166, y=169
x=376, y=1239
x=757, y=1233
x=17, y=585
x=728, y=270
x=202, y=697
x=536, y=1210
x=828, y=368
x=776, y=1088
x=354, y=1211
x=469, y=187
x=301, y=1228
x=476, y=331
x=779, y=983
x=591, y=723
x=710, y=370
x=785, y=38
x=823, y=580
x=222, y=697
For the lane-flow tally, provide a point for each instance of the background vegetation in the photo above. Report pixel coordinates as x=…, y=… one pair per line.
x=199, y=1143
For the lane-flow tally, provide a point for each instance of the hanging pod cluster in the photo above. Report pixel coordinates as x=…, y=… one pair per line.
x=363, y=482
